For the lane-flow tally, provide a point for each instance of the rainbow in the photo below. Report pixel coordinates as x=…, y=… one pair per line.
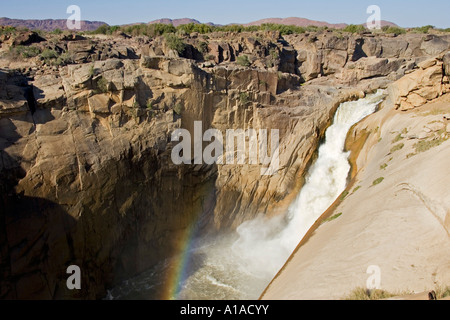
x=177, y=272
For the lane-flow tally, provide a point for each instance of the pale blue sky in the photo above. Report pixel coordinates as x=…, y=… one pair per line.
x=403, y=12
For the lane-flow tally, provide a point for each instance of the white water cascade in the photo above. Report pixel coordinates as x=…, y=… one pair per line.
x=266, y=245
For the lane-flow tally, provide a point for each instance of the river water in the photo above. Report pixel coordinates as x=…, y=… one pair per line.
x=240, y=265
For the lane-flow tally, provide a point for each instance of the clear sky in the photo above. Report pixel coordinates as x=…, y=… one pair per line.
x=406, y=13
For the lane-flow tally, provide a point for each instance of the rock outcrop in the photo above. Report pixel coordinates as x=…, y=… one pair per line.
x=425, y=84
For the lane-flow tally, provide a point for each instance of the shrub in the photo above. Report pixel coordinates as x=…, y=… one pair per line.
x=7, y=30
x=352, y=28
x=425, y=145
x=337, y=215
x=397, y=147
x=203, y=47
x=393, y=30
x=49, y=54
x=24, y=52
x=283, y=29
x=397, y=138
x=102, y=85
x=195, y=27
x=244, y=98
x=424, y=29
x=175, y=43
x=63, y=59
x=377, y=181
x=178, y=108
x=243, y=61
x=150, y=30
x=343, y=195
x=51, y=57
x=365, y=294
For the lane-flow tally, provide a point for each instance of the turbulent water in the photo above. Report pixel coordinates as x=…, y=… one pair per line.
x=240, y=265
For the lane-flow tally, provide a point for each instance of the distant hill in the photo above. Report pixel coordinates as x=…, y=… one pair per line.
x=299, y=22
x=302, y=22
x=52, y=24
x=175, y=22
x=48, y=24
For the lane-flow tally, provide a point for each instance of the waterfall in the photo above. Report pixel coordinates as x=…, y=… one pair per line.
x=241, y=265
x=266, y=245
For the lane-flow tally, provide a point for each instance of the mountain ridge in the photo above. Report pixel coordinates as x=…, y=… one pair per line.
x=86, y=25
x=48, y=24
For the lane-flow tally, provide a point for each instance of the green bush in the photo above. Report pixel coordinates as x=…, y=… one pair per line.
x=244, y=98
x=195, y=27
x=397, y=138
x=150, y=30
x=49, y=54
x=337, y=215
x=105, y=29
x=7, y=30
x=343, y=195
x=425, y=145
x=393, y=30
x=175, y=43
x=51, y=57
x=377, y=181
x=57, y=31
x=203, y=47
x=424, y=29
x=24, y=52
x=283, y=29
x=352, y=28
x=243, y=61
x=397, y=147
x=178, y=108
x=65, y=58
x=102, y=85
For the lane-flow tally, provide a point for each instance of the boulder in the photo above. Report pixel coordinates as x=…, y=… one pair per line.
x=446, y=61
x=27, y=38
x=427, y=63
x=99, y=103
x=370, y=67
x=434, y=45
x=416, y=100
x=426, y=83
x=49, y=92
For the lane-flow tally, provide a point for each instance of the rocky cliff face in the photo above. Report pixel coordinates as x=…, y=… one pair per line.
x=86, y=169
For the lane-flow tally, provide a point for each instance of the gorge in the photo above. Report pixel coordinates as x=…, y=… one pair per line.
x=87, y=176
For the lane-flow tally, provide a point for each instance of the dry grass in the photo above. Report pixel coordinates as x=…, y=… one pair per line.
x=360, y=293
x=397, y=147
x=366, y=294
